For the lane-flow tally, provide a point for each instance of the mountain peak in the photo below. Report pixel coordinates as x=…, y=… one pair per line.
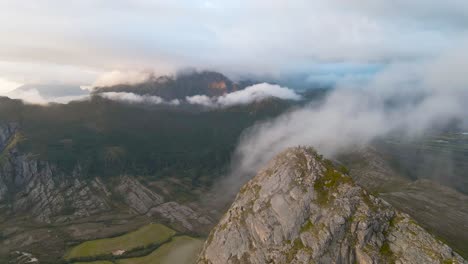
x=301, y=209
x=178, y=87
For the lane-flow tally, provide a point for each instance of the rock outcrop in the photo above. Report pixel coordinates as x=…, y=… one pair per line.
x=301, y=209
x=373, y=171
x=138, y=197
x=46, y=194
x=7, y=132
x=37, y=189
x=181, y=214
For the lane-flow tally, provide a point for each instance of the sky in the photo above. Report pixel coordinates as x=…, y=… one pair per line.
x=90, y=42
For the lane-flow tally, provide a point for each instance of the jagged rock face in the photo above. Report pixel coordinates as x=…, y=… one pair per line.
x=373, y=171
x=45, y=194
x=182, y=214
x=35, y=188
x=300, y=209
x=6, y=133
x=139, y=198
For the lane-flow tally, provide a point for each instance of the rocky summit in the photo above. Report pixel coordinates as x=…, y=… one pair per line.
x=301, y=208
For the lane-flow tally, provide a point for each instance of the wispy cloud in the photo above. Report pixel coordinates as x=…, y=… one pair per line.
x=33, y=96
x=122, y=77
x=135, y=98
x=8, y=86
x=254, y=93
x=411, y=99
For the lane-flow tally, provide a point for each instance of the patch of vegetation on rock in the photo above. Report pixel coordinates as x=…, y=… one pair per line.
x=329, y=182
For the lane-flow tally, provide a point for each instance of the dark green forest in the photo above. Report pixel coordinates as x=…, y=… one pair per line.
x=107, y=138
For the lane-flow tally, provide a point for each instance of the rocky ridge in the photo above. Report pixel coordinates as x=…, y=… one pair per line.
x=301, y=209
x=371, y=170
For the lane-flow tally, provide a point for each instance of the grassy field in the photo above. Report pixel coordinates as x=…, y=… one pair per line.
x=183, y=250
x=146, y=235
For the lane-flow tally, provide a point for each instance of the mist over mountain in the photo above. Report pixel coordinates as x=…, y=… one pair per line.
x=207, y=83
x=177, y=149
x=48, y=93
x=182, y=132
x=52, y=90
x=206, y=89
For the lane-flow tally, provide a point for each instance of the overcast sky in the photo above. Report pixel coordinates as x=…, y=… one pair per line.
x=86, y=41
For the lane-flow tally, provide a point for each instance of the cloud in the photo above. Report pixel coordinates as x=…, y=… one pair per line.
x=122, y=77
x=33, y=96
x=250, y=94
x=409, y=99
x=135, y=98
x=7, y=86
x=254, y=93
x=452, y=12
x=201, y=100
x=250, y=37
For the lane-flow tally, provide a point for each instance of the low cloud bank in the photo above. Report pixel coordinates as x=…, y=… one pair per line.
x=249, y=95
x=254, y=93
x=409, y=99
x=33, y=96
x=135, y=98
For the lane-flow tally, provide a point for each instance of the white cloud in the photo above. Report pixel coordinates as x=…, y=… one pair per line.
x=254, y=93
x=200, y=100
x=135, y=98
x=253, y=37
x=250, y=94
x=7, y=86
x=33, y=72
x=411, y=99
x=33, y=96
x=122, y=77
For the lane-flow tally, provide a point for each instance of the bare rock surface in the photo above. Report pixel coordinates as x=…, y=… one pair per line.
x=301, y=209
x=45, y=194
x=372, y=171
x=181, y=214
x=138, y=197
